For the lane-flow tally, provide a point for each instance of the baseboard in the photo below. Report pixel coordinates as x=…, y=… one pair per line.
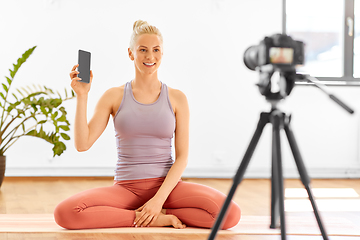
x=266, y=173
x=59, y=171
x=218, y=172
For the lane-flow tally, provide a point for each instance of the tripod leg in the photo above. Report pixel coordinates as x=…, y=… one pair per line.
x=275, y=211
x=264, y=119
x=303, y=174
x=278, y=183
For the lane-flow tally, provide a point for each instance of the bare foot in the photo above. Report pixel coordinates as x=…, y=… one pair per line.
x=168, y=220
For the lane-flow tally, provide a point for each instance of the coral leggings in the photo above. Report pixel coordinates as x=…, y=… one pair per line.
x=114, y=206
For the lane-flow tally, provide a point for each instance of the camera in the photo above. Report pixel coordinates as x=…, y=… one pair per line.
x=275, y=59
x=280, y=50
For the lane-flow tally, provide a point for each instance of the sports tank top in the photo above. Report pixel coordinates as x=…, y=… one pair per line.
x=143, y=136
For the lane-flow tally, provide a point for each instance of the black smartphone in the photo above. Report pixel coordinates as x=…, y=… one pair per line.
x=84, y=66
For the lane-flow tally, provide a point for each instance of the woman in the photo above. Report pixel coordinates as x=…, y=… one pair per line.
x=147, y=190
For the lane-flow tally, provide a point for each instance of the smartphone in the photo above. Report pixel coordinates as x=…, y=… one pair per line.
x=84, y=66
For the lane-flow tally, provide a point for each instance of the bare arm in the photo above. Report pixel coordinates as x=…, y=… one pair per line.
x=85, y=134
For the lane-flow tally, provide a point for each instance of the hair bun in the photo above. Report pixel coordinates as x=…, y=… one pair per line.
x=139, y=24
x=143, y=27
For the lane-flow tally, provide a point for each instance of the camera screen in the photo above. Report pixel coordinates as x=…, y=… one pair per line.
x=281, y=55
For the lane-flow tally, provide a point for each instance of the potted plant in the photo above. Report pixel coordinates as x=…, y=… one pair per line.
x=36, y=105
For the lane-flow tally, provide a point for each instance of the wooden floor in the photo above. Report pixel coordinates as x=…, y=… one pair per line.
x=41, y=195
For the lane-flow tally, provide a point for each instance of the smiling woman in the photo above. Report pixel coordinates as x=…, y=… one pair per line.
x=148, y=190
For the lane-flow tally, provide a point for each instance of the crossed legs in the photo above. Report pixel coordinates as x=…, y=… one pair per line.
x=194, y=204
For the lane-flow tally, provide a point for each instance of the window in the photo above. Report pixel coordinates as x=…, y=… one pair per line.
x=357, y=40
x=331, y=33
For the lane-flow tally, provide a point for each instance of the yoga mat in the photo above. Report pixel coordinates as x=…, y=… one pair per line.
x=259, y=225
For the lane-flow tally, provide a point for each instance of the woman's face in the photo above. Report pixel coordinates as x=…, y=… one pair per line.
x=147, y=53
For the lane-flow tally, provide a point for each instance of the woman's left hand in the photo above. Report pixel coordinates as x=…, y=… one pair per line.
x=149, y=212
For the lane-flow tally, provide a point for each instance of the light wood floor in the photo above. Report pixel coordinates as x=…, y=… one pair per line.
x=37, y=195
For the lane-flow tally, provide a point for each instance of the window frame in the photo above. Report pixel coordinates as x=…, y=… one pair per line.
x=348, y=78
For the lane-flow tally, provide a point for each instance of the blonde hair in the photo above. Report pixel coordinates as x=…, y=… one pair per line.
x=142, y=27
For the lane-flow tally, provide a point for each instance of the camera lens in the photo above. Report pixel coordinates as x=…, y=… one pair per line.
x=251, y=57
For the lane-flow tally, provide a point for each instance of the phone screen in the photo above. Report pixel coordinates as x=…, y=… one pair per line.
x=84, y=66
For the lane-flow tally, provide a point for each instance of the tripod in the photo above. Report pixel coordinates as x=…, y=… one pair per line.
x=279, y=120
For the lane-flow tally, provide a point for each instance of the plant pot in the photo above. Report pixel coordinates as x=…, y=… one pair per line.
x=2, y=168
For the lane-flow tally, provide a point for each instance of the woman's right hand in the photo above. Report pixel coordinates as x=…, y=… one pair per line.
x=80, y=88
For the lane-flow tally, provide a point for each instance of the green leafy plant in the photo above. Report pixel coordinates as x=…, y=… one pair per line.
x=38, y=105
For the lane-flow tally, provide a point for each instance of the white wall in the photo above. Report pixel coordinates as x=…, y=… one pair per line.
x=204, y=45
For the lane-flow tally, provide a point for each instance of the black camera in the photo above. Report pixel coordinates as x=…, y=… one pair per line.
x=279, y=50
x=275, y=59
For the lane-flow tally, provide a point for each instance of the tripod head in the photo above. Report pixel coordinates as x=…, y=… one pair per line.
x=277, y=83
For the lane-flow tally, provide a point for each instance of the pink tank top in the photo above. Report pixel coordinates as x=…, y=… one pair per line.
x=143, y=136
